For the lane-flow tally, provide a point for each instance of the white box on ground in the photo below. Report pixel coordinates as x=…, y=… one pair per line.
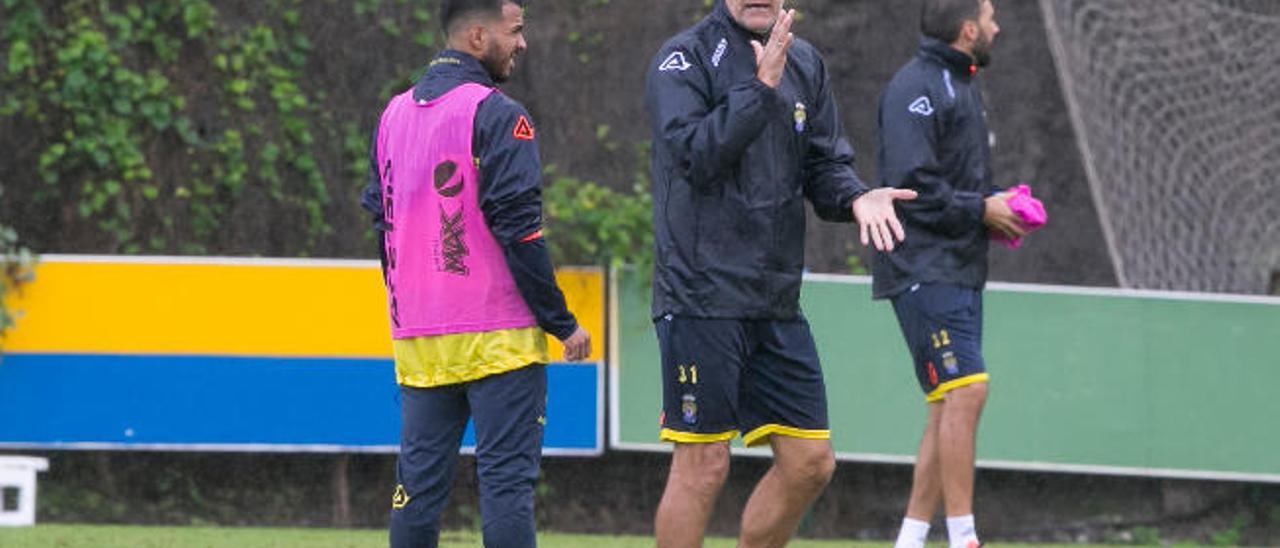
x=19, y=474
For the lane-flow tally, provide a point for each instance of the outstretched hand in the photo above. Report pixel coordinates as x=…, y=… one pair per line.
x=771, y=58
x=877, y=221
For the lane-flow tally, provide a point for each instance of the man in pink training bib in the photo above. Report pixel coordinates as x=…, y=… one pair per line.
x=454, y=189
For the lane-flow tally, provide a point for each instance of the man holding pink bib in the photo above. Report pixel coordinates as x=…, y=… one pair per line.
x=454, y=189
x=934, y=139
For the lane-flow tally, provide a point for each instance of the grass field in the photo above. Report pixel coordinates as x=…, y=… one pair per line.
x=86, y=536
x=98, y=536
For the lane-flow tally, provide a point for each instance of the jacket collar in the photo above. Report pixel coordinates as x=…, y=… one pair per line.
x=448, y=70
x=958, y=61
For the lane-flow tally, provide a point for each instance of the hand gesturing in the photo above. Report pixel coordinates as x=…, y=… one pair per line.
x=877, y=221
x=771, y=58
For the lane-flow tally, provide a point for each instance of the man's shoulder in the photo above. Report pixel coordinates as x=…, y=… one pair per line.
x=500, y=106
x=919, y=89
x=910, y=73
x=919, y=77
x=693, y=41
x=807, y=59
x=504, y=123
x=805, y=51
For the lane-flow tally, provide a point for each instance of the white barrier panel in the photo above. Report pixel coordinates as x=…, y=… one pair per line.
x=19, y=474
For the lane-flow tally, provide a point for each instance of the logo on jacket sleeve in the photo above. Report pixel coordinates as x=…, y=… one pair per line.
x=676, y=62
x=523, y=130
x=716, y=57
x=921, y=106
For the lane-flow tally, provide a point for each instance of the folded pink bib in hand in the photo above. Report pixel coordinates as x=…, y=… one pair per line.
x=1029, y=209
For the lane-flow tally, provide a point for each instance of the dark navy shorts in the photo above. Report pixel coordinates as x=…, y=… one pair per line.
x=754, y=378
x=942, y=324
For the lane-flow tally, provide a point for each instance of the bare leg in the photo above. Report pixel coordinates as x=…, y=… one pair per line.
x=926, y=481
x=698, y=472
x=956, y=440
x=801, y=469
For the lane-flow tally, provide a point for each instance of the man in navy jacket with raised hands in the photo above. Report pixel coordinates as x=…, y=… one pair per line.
x=745, y=129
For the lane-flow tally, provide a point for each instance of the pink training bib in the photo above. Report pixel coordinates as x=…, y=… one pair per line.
x=1029, y=209
x=446, y=274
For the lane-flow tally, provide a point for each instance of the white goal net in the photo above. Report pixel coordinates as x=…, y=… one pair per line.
x=1176, y=106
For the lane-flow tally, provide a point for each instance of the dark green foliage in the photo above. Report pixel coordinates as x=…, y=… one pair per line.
x=591, y=224
x=156, y=123
x=231, y=127
x=16, y=263
x=196, y=126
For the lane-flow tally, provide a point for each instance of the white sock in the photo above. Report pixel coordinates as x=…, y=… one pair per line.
x=913, y=534
x=961, y=532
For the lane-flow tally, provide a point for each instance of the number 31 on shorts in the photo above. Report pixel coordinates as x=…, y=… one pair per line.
x=688, y=374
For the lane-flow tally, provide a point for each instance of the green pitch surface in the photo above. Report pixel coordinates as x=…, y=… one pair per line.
x=97, y=536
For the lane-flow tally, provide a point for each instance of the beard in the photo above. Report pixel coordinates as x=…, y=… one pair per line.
x=982, y=50
x=496, y=64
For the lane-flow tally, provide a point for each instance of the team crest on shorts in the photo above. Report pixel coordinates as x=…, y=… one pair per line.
x=689, y=409
x=949, y=362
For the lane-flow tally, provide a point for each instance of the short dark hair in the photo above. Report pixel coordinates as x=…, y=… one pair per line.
x=943, y=19
x=453, y=11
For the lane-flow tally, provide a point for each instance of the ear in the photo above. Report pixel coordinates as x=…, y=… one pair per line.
x=969, y=32
x=476, y=37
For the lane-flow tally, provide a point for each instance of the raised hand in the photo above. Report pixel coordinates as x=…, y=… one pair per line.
x=771, y=58
x=877, y=220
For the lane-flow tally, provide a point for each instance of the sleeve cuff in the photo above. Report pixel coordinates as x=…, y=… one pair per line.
x=563, y=332
x=856, y=193
x=975, y=203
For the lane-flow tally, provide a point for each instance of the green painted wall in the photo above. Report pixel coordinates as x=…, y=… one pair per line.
x=1151, y=384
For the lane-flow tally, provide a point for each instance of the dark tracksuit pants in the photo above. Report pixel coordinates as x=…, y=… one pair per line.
x=508, y=410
